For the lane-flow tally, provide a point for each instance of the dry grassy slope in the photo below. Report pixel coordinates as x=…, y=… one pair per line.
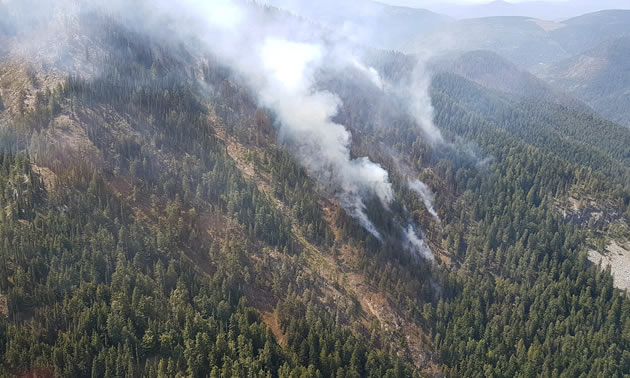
x=63, y=146
x=19, y=83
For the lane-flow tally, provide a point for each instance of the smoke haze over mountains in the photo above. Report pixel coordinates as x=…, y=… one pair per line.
x=545, y=10
x=278, y=58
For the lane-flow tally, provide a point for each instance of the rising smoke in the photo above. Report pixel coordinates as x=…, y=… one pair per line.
x=421, y=107
x=427, y=196
x=279, y=60
x=281, y=68
x=414, y=239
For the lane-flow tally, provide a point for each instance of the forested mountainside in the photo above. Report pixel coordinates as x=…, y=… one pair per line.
x=583, y=58
x=494, y=72
x=599, y=76
x=155, y=223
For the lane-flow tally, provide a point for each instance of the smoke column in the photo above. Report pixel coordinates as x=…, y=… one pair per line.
x=278, y=58
x=416, y=244
x=427, y=196
x=280, y=64
x=421, y=107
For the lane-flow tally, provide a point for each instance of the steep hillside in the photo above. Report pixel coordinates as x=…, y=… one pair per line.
x=502, y=188
x=154, y=194
x=580, y=137
x=600, y=77
x=158, y=220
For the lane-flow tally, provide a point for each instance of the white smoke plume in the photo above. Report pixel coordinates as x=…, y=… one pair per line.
x=278, y=57
x=427, y=196
x=421, y=107
x=370, y=72
x=344, y=15
x=416, y=244
x=280, y=63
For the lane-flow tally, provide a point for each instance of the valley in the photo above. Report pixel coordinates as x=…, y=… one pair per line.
x=235, y=189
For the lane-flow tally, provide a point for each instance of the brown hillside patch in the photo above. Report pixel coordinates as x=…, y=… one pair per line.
x=266, y=303
x=20, y=82
x=217, y=226
x=65, y=147
x=271, y=320
x=239, y=153
x=375, y=303
x=548, y=26
x=4, y=305
x=38, y=373
x=48, y=177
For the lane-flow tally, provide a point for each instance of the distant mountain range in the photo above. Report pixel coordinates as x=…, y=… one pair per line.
x=367, y=22
x=586, y=57
x=582, y=60
x=522, y=40
x=530, y=43
x=548, y=10
x=581, y=33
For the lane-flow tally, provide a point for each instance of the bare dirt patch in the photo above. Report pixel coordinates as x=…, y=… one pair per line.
x=618, y=258
x=373, y=302
x=239, y=153
x=265, y=303
x=585, y=210
x=20, y=82
x=48, y=177
x=271, y=320
x=37, y=373
x=587, y=66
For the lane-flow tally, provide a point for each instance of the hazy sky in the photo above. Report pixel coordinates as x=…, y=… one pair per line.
x=423, y=2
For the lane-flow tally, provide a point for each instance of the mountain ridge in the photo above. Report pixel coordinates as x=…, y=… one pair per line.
x=494, y=72
x=157, y=219
x=549, y=10
x=599, y=77
x=530, y=43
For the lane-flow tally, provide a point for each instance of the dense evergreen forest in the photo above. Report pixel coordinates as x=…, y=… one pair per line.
x=175, y=236
x=522, y=299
